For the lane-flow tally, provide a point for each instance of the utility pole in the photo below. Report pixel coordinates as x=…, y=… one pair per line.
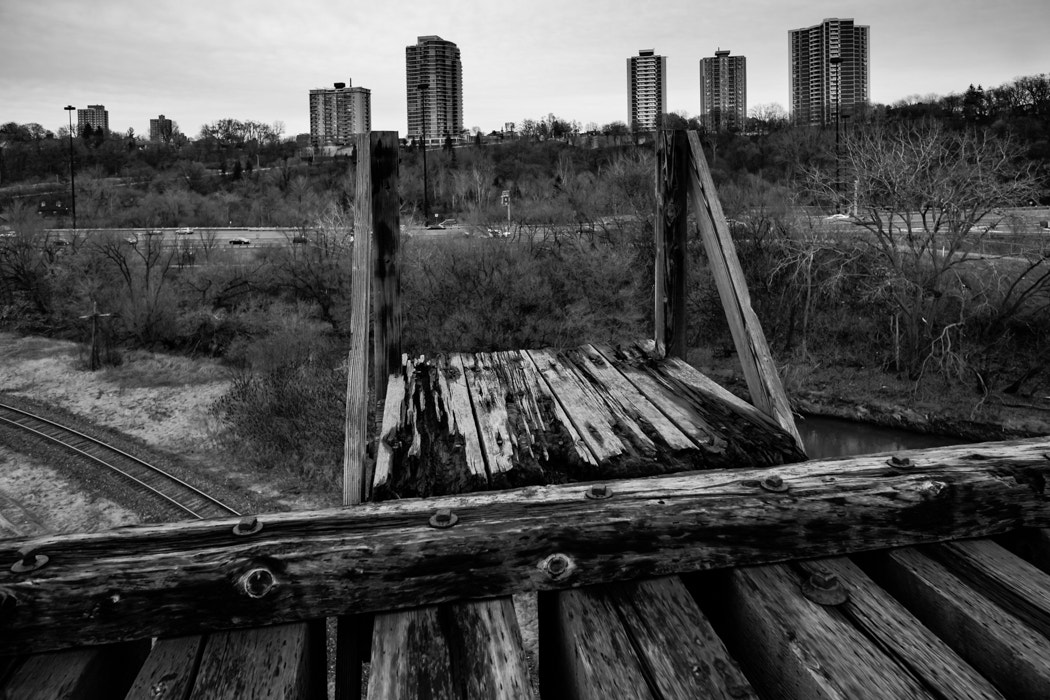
x=95, y=316
x=72, y=182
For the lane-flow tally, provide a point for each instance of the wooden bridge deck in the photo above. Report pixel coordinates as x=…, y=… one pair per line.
x=865, y=578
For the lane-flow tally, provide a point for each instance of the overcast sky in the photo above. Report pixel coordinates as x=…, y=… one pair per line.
x=197, y=61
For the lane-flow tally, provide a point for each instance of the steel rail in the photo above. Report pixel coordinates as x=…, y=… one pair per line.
x=151, y=469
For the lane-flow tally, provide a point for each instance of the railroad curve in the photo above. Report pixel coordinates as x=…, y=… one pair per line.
x=170, y=489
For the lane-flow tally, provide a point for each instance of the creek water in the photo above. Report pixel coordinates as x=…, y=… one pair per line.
x=835, y=437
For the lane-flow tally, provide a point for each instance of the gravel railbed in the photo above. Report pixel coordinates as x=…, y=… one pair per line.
x=103, y=483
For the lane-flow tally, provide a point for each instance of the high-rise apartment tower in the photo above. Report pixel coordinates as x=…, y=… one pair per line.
x=723, y=91
x=828, y=70
x=339, y=112
x=646, y=89
x=161, y=129
x=95, y=115
x=434, y=83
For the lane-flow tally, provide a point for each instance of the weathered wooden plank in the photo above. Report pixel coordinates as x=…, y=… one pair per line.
x=468, y=650
x=763, y=382
x=486, y=393
x=549, y=447
x=84, y=674
x=792, y=648
x=1012, y=583
x=676, y=644
x=453, y=383
x=562, y=443
x=395, y=409
x=881, y=618
x=671, y=404
x=1032, y=544
x=434, y=442
x=305, y=565
x=408, y=658
x=671, y=234
x=585, y=411
x=585, y=653
x=749, y=436
x=170, y=670
x=259, y=663
x=1001, y=647
x=626, y=400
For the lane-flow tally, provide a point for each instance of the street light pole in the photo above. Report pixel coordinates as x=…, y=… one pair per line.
x=422, y=89
x=72, y=181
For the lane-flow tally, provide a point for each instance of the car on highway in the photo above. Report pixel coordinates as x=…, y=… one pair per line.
x=300, y=239
x=132, y=239
x=184, y=231
x=240, y=241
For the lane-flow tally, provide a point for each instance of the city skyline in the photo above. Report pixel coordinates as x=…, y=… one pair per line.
x=518, y=63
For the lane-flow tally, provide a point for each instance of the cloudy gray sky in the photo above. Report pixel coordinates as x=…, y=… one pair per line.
x=200, y=60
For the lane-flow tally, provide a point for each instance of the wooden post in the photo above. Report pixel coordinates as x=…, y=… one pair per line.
x=377, y=237
x=672, y=183
x=386, y=232
x=760, y=372
x=95, y=361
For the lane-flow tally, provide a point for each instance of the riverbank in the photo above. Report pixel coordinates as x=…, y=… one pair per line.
x=872, y=396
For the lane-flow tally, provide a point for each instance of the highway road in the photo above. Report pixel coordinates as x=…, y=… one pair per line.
x=256, y=236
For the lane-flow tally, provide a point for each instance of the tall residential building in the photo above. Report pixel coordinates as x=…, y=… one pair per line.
x=161, y=129
x=828, y=70
x=646, y=89
x=95, y=115
x=723, y=91
x=435, y=64
x=339, y=112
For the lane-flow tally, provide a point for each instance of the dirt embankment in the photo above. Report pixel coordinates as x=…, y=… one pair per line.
x=160, y=405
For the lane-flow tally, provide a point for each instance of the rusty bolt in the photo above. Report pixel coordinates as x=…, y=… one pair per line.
x=443, y=518
x=557, y=566
x=30, y=561
x=248, y=525
x=598, y=492
x=899, y=462
x=773, y=483
x=258, y=582
x=824, y=588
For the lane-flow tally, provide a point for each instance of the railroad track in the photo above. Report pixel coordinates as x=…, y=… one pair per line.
x=176, y=493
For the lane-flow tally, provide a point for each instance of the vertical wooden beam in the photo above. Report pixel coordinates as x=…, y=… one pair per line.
x=386, y=232
x=760, y=372
x=354, y=453
x=671, y=232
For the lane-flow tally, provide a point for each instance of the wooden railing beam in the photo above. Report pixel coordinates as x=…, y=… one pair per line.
x=184, y=578
x=760, y=371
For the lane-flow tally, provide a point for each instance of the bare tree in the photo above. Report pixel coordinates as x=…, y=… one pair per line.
x=927, y=196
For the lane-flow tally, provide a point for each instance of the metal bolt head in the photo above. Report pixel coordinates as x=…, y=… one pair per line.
x=248, y=525
x=598, y=492
x=443, y=518
x=899, y=462
x=557, y=566
x=258, y=582
x=824, y=588
x=774, y=483
x=30, y=561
